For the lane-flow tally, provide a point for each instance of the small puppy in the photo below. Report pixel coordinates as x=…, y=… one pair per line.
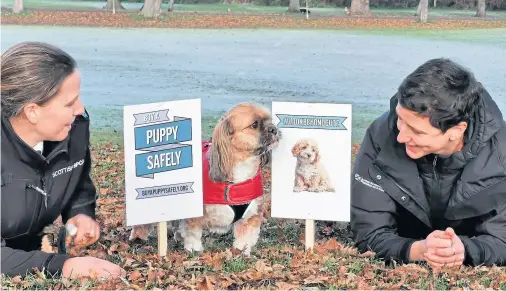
x=241, y=145
x=310, y=175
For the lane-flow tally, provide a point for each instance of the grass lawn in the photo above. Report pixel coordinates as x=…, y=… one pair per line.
x=278, y=261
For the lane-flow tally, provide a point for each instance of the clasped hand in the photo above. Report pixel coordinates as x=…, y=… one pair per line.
x=444, y=248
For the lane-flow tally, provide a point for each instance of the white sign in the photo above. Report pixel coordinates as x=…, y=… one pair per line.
x=311, y=167
x=163, y=161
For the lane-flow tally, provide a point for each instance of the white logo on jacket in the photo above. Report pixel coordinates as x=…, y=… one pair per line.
x=68, y=169
x=368, y=183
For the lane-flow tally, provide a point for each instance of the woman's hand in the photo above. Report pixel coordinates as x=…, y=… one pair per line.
x=88, y=230
x=91, y=267
x=450, y=253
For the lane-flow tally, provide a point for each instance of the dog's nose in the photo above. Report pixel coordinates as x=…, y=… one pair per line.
x=272, y=129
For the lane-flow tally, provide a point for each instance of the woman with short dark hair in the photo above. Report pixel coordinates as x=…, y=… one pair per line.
x=429, y=181
x=45, y=162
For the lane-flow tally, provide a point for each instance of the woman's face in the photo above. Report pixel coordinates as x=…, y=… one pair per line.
x=55, y=118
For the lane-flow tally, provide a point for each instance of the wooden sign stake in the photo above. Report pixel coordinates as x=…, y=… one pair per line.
x=309, y=234
x=162, y=238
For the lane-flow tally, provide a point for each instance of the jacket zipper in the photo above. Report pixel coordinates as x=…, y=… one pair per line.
x=435, y=197
x=434, y=167
x=43, y=191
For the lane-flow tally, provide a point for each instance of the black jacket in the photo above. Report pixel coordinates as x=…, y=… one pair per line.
x=62, y=172
x=396, y=200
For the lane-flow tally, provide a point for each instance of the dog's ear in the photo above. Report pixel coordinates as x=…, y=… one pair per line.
x=265, y=159
x=296, y=149
x=220, y=163
x=316, y=155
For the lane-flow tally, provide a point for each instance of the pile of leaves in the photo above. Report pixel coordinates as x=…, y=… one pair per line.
x=183, y=20
x=278, y=262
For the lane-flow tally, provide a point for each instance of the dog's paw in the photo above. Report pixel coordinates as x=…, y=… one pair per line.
x=193, y=246
x=297, y=189
x=242, y=247
x=247, y=252
x=314, y=189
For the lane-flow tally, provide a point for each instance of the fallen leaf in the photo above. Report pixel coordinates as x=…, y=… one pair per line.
x=134, y=276
x=278, y=267
x=286, y=286
x=261, y=267
x=205, y=284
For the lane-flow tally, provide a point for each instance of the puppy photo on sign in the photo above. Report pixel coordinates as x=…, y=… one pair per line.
x=310, y=173
x=311, y=166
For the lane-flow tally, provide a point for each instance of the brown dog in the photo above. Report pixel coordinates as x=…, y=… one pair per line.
x=310, y=175
x=241, y=145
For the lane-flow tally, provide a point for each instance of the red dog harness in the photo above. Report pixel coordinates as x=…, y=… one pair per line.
x=228, y=193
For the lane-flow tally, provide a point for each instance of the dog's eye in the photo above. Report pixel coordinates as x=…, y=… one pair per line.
x=255, y=125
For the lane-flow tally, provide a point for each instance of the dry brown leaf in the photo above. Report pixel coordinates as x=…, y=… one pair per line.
x=16, y=280
x=286, y=286
x=219, y=20
x=225, y=282
x=329, y=245
x=134, y=275
x=342, y=271
x=205, y=284
x=261, y=267
x=228, y=254
x=369, y=275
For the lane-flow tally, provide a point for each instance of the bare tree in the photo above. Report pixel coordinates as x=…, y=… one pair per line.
x=418, y=8
x=424, y=10
x=294, y=6
x=360, y=7
x=116, y=4
x=17, y=6
x=151, y=8
x=171, y=6
x=482, y=5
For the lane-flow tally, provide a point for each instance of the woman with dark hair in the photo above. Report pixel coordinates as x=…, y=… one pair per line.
x=429, y=181
x=45, y=162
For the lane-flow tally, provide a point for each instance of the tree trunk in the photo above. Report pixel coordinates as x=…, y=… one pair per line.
x=482, y=5
x=151, y=8
x=435, y=3
x=418, y=8
x=17, y=6
x=294, y=6
x=360, y=7
x=116, y=3
x=424, y=11
x=171, y=6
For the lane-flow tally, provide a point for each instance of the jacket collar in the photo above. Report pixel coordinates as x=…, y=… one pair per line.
x=26, y=153
x=487, y=121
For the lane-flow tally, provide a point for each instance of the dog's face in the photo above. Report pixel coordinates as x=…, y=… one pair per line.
x=245, y=131
x=306, y=149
